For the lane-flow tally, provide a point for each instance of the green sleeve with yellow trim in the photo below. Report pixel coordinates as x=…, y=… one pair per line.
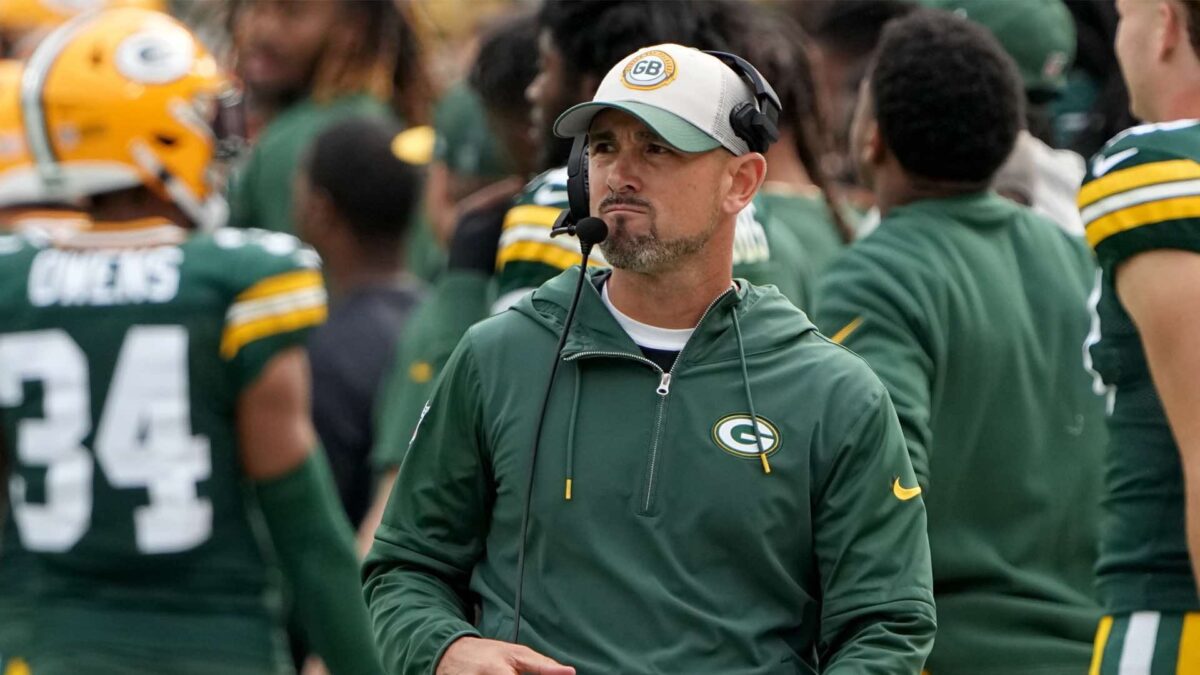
x=527, y=256
x=458, y=300
x=1142, y=192
x=277, y=294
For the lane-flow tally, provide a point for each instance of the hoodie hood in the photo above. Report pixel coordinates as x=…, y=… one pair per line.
x=777, y=323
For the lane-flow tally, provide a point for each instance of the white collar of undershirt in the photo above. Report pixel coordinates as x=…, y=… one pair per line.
x=645, y=335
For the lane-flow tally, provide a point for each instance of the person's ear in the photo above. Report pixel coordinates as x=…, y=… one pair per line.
x=873, y=149
x=746, y=176
x=1171, y=30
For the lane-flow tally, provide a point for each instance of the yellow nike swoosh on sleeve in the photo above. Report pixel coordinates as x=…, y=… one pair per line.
x=846, y=330
x=904, y=494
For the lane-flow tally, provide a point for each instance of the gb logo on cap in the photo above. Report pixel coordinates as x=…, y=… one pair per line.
x=649, y=70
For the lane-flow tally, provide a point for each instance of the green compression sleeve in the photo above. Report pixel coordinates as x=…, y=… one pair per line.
x=315, y=547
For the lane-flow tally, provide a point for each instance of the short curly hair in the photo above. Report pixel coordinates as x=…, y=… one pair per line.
x=594, y=35
x=946, y=96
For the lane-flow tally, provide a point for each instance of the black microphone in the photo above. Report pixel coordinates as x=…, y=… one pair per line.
x=590, y=231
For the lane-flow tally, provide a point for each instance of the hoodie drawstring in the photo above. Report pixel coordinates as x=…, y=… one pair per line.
x=571, y=435
x=762, y=452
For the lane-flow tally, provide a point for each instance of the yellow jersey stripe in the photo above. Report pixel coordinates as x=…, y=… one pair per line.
x=1136, y=177
x=281, y=283
x=531, y=214
x=1102, y=632
x=236, y=337
x=1189, y=644
x=1143, y=214
x=251, y=310
x=846, y=330
x=539, y=252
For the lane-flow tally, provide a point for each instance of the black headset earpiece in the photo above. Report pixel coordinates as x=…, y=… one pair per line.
x=578, y=206
x=758, y=125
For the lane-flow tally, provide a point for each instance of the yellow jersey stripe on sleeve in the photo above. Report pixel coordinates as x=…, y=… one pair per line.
x=538, y=252
x=531, y=214
x=1142, y=214
x=237, y=337
x=1136, y=177
x=282, y=283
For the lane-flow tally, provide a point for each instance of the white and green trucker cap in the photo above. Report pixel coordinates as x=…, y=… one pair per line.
x=681, y=93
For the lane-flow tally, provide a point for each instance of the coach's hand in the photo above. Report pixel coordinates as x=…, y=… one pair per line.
x=476, y=656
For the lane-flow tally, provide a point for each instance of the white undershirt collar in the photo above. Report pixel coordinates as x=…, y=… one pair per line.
x=647, y=336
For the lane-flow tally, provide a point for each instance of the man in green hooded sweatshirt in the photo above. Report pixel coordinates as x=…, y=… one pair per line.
x=719, y=489
x=972, y=310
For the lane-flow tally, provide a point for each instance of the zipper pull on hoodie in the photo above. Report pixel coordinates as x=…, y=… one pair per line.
x=664, y=385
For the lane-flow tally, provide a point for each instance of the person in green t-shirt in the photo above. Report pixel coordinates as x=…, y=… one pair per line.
x=972, y=310
x=305, y=65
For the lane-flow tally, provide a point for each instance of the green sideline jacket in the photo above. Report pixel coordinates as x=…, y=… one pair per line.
x=673, y=551
x=972, y=310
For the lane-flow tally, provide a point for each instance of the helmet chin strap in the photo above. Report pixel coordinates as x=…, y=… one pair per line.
x=207, y=214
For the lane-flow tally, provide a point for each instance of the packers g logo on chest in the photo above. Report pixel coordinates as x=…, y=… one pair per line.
x=650, y=70
x=735, y=435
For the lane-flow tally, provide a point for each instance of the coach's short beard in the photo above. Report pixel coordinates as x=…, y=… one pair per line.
x=646, y=253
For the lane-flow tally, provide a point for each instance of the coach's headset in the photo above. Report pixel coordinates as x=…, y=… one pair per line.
x=756, y=123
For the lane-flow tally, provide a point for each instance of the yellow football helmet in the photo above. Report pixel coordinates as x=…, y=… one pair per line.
x=50, y=13
x=13, y=153
x=24, y=202
x=123, y=98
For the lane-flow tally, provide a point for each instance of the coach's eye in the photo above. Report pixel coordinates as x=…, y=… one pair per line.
x=658, y=149
x=600, y=147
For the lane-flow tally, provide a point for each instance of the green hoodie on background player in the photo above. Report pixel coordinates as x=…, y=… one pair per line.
x=970, y=309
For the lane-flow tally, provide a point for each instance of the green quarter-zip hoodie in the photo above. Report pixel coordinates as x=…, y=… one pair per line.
x=675, y=548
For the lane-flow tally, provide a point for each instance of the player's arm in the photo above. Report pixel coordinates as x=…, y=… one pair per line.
x=306, y=523
x=365, y=536
x=1160, y=290
x=870, y=308
x=872, y=547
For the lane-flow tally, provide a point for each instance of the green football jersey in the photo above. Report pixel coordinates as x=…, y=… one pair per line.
x=807, y=216
x=1140, y=194
x=122, y=357
x=528, y=257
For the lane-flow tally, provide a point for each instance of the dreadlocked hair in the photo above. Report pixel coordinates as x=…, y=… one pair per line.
x=413, y=90
x=776, y=46
x=386, y=62
x=365, y=66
